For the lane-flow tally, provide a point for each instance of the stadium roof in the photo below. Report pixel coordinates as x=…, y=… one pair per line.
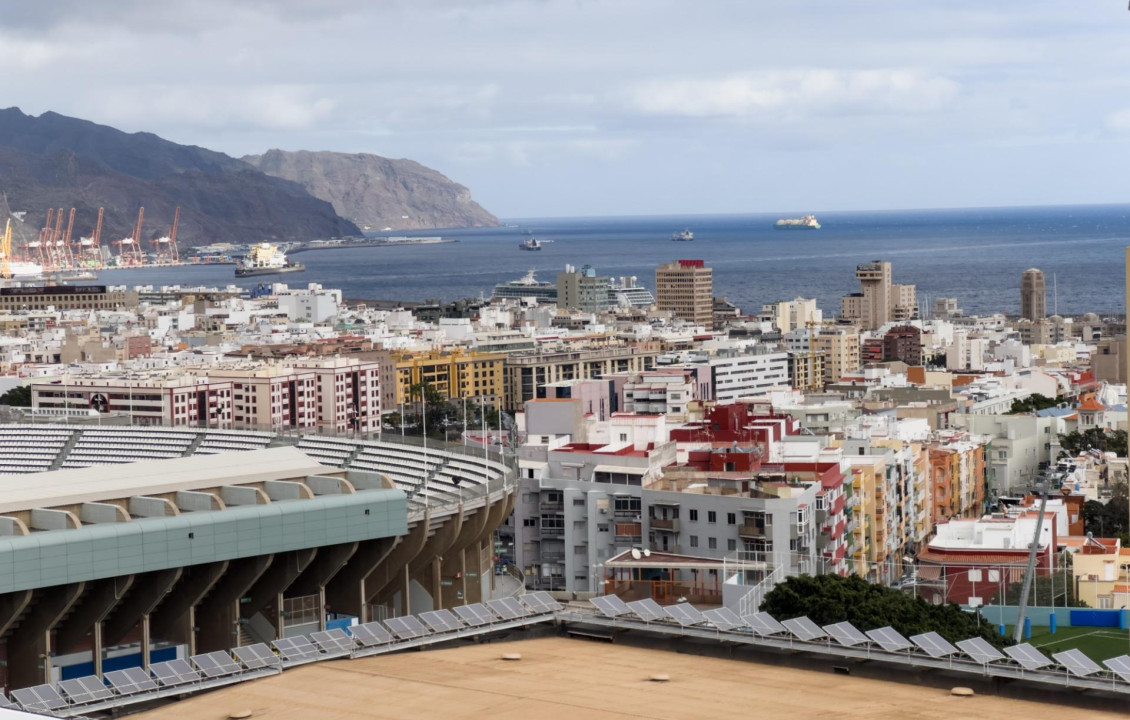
x=153, y=477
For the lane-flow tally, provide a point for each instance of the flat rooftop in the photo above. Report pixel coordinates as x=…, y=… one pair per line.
x=153, y=477
x=582, y=680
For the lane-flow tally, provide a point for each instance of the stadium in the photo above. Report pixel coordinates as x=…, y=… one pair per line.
x=142, y=564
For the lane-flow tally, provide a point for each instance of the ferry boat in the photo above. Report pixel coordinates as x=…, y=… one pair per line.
x=808, y=222
x=266, y=259
x=526, y=287
x=684, y=236
x=531, y=244
x=83, y=275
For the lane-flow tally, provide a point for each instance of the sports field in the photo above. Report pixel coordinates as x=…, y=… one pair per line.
x=1096, y=643
x=568, y=679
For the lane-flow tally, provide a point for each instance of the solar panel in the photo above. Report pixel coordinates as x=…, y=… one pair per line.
x=501, y=609
x=256, y=656
x=296, y=648
x=41, y=698
x=980, y=650
x=130, y=680
x=547, y=601
x=846, y=634
x=610, y=605
x=933, y=644
x=85, y=690
x=7, y=704
x=516, y=608
x=1120, y=666
x=371, y=634
x=407, y=627
x=803, y=629
x=763, y=623
x=1077, y=663
x=173, y=672
x=215, y=664
x=441, y=621
x=332, y=641
x=723, y=618
x=685, y=614
x=1027, y=656
x=647, y=610
x=468, y=614
x=890, y=639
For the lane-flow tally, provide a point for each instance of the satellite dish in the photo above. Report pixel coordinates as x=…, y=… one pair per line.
x=646, y=552
x=636, y=555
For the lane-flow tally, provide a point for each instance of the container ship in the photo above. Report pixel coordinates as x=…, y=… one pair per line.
x=266, y=259
x=808, y=222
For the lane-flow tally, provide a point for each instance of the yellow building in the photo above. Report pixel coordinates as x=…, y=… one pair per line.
x=1102, y=574
x=455, y=374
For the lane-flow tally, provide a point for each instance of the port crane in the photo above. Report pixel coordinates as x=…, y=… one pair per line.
x=166, y=247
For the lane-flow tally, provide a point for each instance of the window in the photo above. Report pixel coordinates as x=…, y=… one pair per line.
x=712, y=543
x=623, y=437
x=694, y=540
x=578, y=502
x=711, y=516
x=694, y=515
x=530, y=522
x=731, y=544
x=602, y=527
x=731, y=518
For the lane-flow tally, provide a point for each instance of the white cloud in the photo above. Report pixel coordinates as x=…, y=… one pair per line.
x=267, y=107
x=1119, y=121
x=813, y=90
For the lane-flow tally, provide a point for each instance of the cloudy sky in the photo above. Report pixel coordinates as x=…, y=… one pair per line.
x=607, y=107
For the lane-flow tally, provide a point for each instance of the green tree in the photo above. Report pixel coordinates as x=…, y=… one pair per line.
x=17, y=397
x=1077, y=442
x=1032, y=403
x=1056, y=589
x=1110, y=518
x=830, y=599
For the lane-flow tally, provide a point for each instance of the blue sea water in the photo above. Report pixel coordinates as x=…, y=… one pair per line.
x=975, y=255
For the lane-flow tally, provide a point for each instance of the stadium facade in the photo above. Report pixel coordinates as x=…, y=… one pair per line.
x=132, y=545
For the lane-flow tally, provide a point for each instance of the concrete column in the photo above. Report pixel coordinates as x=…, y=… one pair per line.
x=346, y=591
x=29, y=644
x=175, y=619
x=100, y=599
x=382, y=582
x=267, y=591
x=147, y=591
x=327, y=563
x=12, y=605
x=217, y=615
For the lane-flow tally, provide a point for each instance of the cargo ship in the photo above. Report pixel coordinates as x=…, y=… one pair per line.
x=684, y=236
x=808, y=222
x=531, y=244
x=266, y=259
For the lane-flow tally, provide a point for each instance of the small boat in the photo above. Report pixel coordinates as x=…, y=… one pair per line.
x=808, y=222
x=531, y=244
x=684, y=236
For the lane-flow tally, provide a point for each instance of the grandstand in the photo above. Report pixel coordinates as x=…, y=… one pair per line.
x=123, y=545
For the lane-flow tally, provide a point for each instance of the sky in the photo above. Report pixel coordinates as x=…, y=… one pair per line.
x=618, y=107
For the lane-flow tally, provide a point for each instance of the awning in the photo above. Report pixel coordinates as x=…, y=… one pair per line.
x=621, y=469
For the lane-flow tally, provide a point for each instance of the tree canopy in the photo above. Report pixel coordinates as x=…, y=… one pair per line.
x=1032, y=403
x=1109, y=519
x=830, y=599
x=17, y=397
x=1076, y=442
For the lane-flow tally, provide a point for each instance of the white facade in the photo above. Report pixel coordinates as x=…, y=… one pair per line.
x=748, y=375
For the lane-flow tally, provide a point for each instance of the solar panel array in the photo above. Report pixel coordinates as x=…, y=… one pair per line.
x=333, y=642
x=1077, y=663
x=647, y=610
x=611, y=605
x=41, y=698
x=846, y=634
x=407, y=627
x=685, y=614
x=889, y=639
x=803, y=628
x=215, y=664
x=540, y=602
x=296, y=649
x=84, y=690
x=933, y=644
x=475, y=615
x=723, y=618
x=763, y=623
x=371, y=634
x=6, y=704
x=174, y=672
x=442, y=621
x=1120, y=666
x=1027, y=656
x=980, y=650
x=256, y=657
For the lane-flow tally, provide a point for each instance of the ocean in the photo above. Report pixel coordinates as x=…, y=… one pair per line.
x=974, y=255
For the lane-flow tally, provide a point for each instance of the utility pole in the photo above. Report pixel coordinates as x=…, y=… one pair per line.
x=1029, y=573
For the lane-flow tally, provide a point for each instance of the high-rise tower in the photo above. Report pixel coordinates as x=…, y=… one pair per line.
x=1033, y=295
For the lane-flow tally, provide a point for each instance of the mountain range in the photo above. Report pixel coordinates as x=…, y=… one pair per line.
x=54, y=161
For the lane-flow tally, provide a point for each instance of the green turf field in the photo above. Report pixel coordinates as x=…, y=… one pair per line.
x=1096, y=643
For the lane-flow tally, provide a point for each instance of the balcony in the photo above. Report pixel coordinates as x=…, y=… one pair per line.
x=554, y=507
x=666, y=525
x=758, y=532
x=553, y=556
x=552, y=531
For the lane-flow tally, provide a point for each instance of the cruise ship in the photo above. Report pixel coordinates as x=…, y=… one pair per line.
x=266, y=259
x=526, y=287
x=808, y=222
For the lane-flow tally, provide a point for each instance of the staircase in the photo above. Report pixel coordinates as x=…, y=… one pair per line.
x=351, y=457
x=65, y=451
x=192, y=446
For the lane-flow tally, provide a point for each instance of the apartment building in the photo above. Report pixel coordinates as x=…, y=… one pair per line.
x=525, y=372
x=66, y=297
x=667, y=392
x=685, y=288
x=150, y=399
x=747, y=373
x=879, y=301
x=348, y=393
x=789, y=315
x=840, y=346
x=455, y=374
x=271, y=396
